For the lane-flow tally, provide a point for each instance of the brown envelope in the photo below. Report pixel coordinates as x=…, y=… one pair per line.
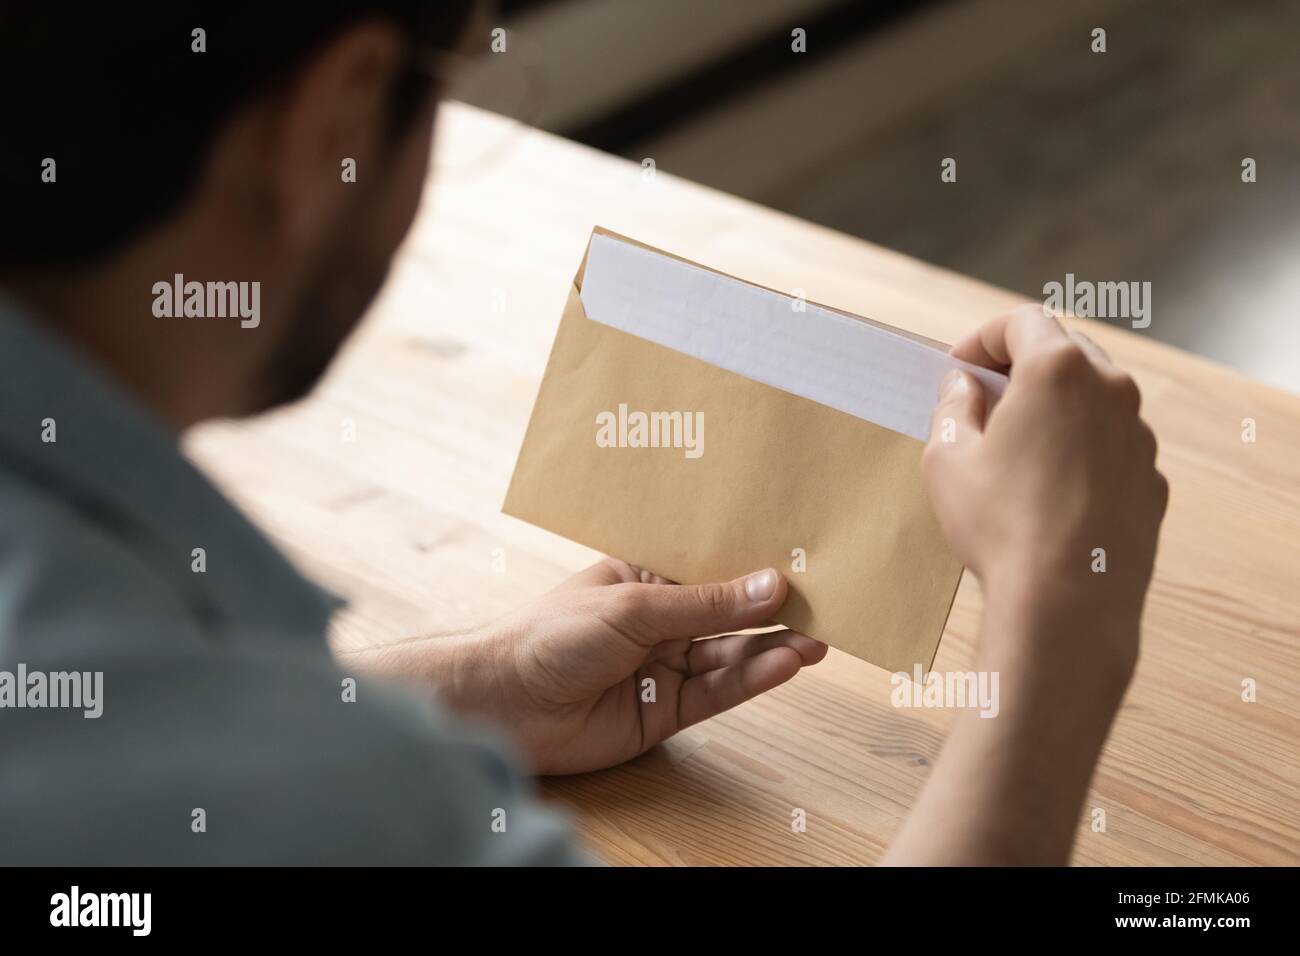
x=780, y=473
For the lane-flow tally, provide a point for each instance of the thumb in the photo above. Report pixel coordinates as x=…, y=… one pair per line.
x=667, y=612
x=959, y=416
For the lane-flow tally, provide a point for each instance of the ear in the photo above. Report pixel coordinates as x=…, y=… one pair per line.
x=336, y=108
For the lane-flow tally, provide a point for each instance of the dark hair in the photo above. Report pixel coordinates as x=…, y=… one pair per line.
x=115, y=95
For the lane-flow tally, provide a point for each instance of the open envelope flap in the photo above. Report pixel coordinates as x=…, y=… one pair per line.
x=602, y=231
x=779, y=481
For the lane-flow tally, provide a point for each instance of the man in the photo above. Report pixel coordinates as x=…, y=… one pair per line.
x=208, y=143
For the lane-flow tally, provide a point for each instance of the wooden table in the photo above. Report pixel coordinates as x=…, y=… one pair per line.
x=387, y=485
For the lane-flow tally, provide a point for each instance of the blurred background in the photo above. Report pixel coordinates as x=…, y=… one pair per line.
x=1116, y=166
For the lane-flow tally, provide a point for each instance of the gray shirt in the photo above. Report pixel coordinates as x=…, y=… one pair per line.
x=223, y=733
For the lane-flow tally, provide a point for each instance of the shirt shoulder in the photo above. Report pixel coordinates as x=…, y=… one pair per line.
x=209, y=752
x=246, y=758
x=66, y=574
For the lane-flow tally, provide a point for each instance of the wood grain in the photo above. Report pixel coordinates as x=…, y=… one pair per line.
x=434, y=392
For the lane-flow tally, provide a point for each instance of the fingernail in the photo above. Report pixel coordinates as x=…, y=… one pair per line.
x=761, y=585
x=954, y=383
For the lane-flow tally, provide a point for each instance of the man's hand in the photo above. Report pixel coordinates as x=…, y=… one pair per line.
x=1034, y=496
x=605, y=666
x=1057, y=481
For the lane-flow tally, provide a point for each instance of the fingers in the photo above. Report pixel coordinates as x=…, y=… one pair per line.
x=1004, y=340
x=959, y=416
x=722, y=672
x=608, y=571
x=714, y=652
x=1026, y=335
x=1091, y=349
x=661, y=612
x=1126, y=392
x=713, y=692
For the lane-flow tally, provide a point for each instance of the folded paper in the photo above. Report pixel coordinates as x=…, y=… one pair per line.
x=702, y=427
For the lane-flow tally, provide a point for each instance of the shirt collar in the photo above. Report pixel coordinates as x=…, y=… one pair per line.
x=121, y=467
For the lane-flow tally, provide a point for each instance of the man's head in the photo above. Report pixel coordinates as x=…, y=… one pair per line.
x=223, y=143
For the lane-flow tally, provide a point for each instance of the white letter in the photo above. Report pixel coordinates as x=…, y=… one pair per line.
x=253, y=317
x=1141, y=305
x=92, y=695
x=163, y=300
x=605, y=428
x=1052, y=299
x=59, y=915
x=694, y=437
x=144, y=909
x=899, y=695
x=989, y=700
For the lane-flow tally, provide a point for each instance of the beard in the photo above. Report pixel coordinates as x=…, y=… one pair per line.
x=346, y=280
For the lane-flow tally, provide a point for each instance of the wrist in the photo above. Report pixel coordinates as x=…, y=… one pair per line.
x=1062, y=642
x=468, y=671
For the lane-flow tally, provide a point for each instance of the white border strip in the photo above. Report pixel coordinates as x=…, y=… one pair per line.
x=850, y=365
